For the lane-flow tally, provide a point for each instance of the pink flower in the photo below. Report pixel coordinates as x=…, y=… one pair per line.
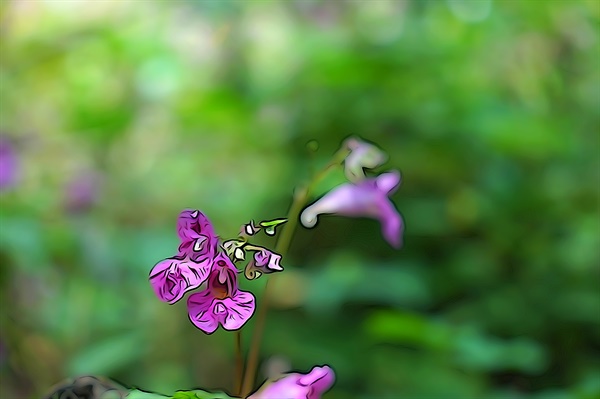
x=264, y=261
x=172, y=278
x=367, y=198
x=198, y=239
x=298, y=386
x=222, y=302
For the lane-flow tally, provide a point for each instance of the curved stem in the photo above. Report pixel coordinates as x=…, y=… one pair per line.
x=282, y=246
x=283, y=243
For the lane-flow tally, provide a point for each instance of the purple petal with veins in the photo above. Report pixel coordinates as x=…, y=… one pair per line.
x=221, y=303
x=172, y=278
x=197, y=235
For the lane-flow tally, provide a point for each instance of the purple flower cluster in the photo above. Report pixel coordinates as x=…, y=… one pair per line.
x=201, y=259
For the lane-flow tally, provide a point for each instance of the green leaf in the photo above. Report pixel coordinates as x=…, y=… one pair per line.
x=137, y=394
x=269, y=223
x=196, y=394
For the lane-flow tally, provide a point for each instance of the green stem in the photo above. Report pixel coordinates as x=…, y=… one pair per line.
x=239, y=362
x=282, y=246
x=283, y=243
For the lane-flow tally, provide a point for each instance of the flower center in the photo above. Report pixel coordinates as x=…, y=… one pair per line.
x=219, y=291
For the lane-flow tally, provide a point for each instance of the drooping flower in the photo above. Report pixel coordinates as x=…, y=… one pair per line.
x=198, y=239
x=367, y=198
x=298, y=386
x=362, y=156
x=221, y=303
x=264, y=261
x=172, y=278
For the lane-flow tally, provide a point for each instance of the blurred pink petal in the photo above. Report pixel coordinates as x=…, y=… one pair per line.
x=367, y=198
x=9, y=164
x=82, y=191
x=298, y=386
x=362, y=156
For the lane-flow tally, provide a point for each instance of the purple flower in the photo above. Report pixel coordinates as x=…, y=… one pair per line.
x=222, y=302
x=267, y=261
x=172, y=278
x=264, y=261
x=9, y=164
x=82, y=192
x=367, y=198
x=362, y=156
x=298, y=386
x=198, y=239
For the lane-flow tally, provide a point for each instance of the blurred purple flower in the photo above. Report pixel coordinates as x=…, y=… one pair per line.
x=298, y=386
x=362, y=156
x=367, y=198
x=197, y=235
x=172, y=278
x=221, y=302
x=9, y=164
x=82, y=192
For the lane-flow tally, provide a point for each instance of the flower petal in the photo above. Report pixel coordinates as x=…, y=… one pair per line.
x=172, y=278
x=320, y=379
x=388, y=182
x=392, y=226
x=345, y=200
x=367, y=198
x=197, y=235
x=200, y=310
x=274, y=263
x=362, y=156
x=298, y=386
x=239, y=310
x=191, y=223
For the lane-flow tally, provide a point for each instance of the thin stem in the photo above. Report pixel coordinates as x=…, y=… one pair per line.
x=283, y=243
x=239, y=362
x=282, y=246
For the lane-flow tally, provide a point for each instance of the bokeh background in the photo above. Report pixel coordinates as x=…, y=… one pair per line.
x=116, y=115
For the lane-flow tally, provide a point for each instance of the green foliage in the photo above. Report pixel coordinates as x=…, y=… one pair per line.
x=196, y=394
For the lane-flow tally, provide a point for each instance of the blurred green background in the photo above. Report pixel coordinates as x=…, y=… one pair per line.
x=117, y=115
